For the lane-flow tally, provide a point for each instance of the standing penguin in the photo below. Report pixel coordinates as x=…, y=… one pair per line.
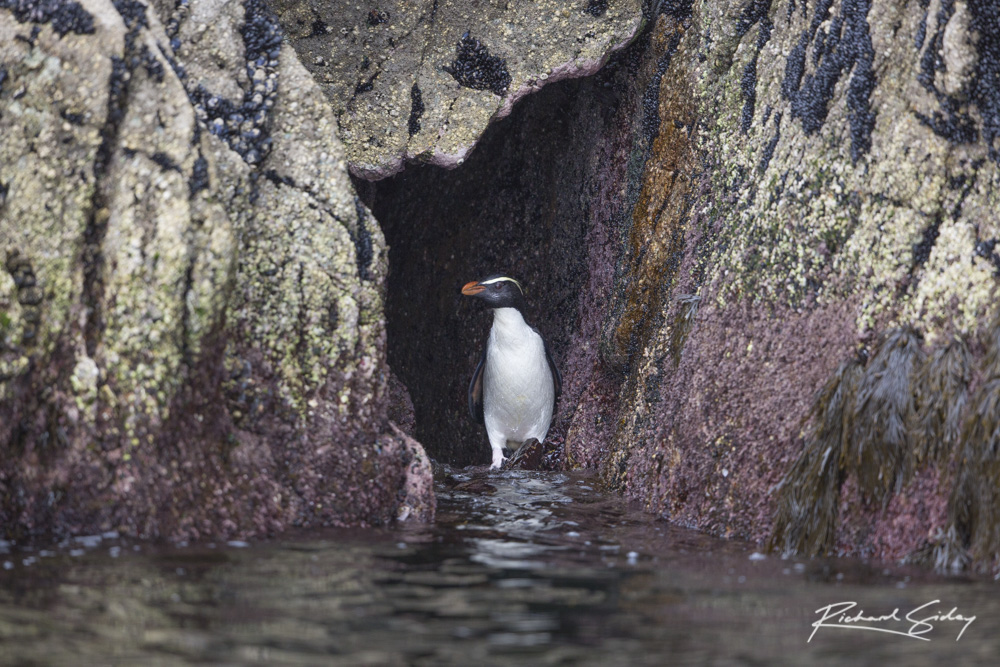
x=514, y=389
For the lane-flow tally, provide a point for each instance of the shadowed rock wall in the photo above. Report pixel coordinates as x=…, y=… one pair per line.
x=191, y=334
x=519, y=204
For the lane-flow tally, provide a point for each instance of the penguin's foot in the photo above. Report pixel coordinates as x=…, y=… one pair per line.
x=498, y=459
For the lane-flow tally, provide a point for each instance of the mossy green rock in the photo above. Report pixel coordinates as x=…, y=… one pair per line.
x=811, y=221
x=191, y=335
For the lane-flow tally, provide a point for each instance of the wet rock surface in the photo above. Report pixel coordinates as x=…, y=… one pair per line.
x=809, y=260
x=191, y=339
x=421, y=81
x=535, y=455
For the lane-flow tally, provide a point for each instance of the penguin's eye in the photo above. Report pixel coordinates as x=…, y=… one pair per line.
x=496, y=287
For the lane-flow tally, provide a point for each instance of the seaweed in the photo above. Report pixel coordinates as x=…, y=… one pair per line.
x=974, y=506
x=863, y=423
x=975, y=499
x=806, y=518
x=877, y=449
x=940, y=395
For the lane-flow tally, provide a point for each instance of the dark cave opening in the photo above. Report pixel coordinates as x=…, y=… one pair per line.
x=519, y=204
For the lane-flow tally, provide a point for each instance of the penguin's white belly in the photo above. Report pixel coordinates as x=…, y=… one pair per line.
x=518, y=391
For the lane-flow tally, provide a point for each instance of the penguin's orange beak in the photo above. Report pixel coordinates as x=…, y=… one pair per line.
x=472, y=289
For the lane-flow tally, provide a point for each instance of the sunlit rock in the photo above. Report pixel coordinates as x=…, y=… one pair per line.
x=420, y=81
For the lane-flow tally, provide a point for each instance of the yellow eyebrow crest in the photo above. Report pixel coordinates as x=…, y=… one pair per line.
x=503, y=279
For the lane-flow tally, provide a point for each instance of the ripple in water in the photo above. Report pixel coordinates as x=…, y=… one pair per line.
x=523, y=568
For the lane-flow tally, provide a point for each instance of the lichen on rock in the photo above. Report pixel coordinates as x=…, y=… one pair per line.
x=191, y=340
x=470, y=63
x=845, y=198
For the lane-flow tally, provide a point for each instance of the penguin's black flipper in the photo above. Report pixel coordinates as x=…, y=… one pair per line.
x=556, y=378
x=476, y=390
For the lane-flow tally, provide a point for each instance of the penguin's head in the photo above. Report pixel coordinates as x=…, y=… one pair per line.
x=497, y=291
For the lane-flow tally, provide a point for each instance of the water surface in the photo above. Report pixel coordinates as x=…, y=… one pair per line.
x=523, y=568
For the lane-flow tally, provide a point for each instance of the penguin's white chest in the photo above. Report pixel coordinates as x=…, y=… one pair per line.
x=518, y=390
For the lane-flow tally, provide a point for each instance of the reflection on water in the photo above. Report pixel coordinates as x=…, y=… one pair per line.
x=522, y=568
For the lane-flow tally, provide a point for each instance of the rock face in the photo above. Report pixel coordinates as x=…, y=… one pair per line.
x=805, y=298
x=765, y=253
x=420, y=81
x=762, y=242
x=191, y=333
x=839, y=246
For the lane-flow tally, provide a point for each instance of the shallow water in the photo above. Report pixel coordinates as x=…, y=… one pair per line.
x=522, y=568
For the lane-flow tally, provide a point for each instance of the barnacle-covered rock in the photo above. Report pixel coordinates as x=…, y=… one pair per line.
x=420, y=81
x=191, y=335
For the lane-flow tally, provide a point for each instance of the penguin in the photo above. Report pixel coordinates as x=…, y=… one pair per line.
x=514, y=388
